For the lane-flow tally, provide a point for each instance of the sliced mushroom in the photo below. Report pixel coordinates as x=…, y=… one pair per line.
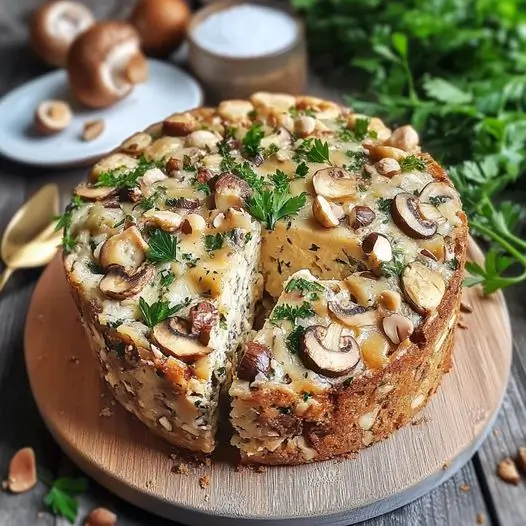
x=361, y=216
x=304, y=125
x=379, y=151
x=164, y=219
x=378, y=246
x=119, y=284
x=52, y=116
x=231, y=191
x=330, y=351
x=397, y=328
x=254, y=360
x=334, y=183
x=388, y=167
x=22, y=474
x=406, y=213
x=94, y=193
x=179, y=125
x=137, y=143
x=422, y=287
x=184, y=203
x=327, y=214
x=352, y=314
x=282, y=139
x=104, y=64
x=174, y=337
x=127, y=250
x=390, y=299
x=203, y=318
x=203, y=139
x=55, y=26
x=439, y=192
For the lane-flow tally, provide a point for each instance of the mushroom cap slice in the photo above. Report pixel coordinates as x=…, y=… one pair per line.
x=352, y=315
x=94, y=193
x=330, y=351
x=408, y=217
x=127, y=250
x=439, y=191
x=173, y=336
x=118, y=284
x=55, y=26
x=334, y=183
x=254, y=360
x=397, y=327
x=423, y=288
x=99, y=63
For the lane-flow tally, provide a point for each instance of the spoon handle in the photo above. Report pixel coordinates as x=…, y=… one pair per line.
x=4, y=277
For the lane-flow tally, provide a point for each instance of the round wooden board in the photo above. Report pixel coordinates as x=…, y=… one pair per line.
x=120, y=453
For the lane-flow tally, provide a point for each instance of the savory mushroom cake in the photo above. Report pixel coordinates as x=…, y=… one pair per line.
x=170, y=244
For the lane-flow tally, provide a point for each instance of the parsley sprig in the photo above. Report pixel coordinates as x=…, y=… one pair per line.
x=61, y=498
x=162, y=246
x=64, y=223
x=314, y=150
x=291, y=313
x=123, y=177
x=304, y=287
x=269, y=206
x=252, y=140
x=413, y=163
x=159, y=311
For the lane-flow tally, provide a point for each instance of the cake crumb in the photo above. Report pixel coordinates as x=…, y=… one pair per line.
x=521, y=457
x=207, y=497
x=181, y=469
x=106, y=412
x=149, y=484
x=261, y=469
x=461, y=324
x=481, y=518
x=445, y=466
x=507, y=471
x=5, y=485
x=204, y=481
x=465, y=488
x=466, y=307
x=420, y=420
x=496, y=432
x=74, y=359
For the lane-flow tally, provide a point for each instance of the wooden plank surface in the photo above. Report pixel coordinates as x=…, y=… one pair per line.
x=446, y=506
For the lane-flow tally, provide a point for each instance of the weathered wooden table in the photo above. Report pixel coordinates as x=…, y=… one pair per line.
x=474, y=494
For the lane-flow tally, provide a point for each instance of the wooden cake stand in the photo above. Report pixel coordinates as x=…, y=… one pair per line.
x=120, y=453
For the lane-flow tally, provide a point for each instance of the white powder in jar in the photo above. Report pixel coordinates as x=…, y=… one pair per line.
x=246, y=30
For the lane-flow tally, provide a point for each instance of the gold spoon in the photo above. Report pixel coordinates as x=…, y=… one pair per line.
x=30, y=239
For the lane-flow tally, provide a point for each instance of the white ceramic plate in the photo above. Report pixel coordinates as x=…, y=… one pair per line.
x=168, y=90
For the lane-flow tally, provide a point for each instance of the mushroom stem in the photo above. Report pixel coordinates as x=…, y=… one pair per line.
x=136, y=71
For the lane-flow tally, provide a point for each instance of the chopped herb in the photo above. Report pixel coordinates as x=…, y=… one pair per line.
x=452, y=263
x=214, y=241
x=271, y=150
x=203, y=187
x=159, y=311
x=123, y=178
x=306, y=396
x=280, y=180
x=120, y=349
x=190, y=259
x=197, y=403
x=296, y=112
x=252, y=140
x=395, y=267
x=292, y=313
x=413, y=163
x=437, y=200
x=188, y=165
x=150, y=202
x=285, y=410
x=359, y=132
x=302, y=170
x=95, y=268
x=304, y=286
x=162, y=246
x=115, y=323
x=245, y=172
x=293, y=340
x=357, y=160
x=269, y=206
x=348, y=381
x=221, y=371
x=384, y=205
x=314, y=248
x=314, y=150
x=64, y=222
x=167, y=278
x=62, y=496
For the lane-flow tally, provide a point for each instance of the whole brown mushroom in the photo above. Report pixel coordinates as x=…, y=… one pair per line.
x=105, y=63
x=55, y=26
x=161, y=25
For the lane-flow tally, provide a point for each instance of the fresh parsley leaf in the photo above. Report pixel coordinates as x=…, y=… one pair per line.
x=159, y=311
x=203, y=187
x=301, y=170
x=61, y=498
x=395, y=267
x=413, y=163
x=245, y=172
x=437, y=200
x=269, y=206
x=357, y=160
x=384, y=205
x=252, y=140
x=162, y=246
x=123, y=177
x=314, y=150
x=280, y=180
x=293, y=340
x=167, y=278
x=214, y=241
x=291, y=313
x=304, y=286
x=64, y=223
x=147, y=203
